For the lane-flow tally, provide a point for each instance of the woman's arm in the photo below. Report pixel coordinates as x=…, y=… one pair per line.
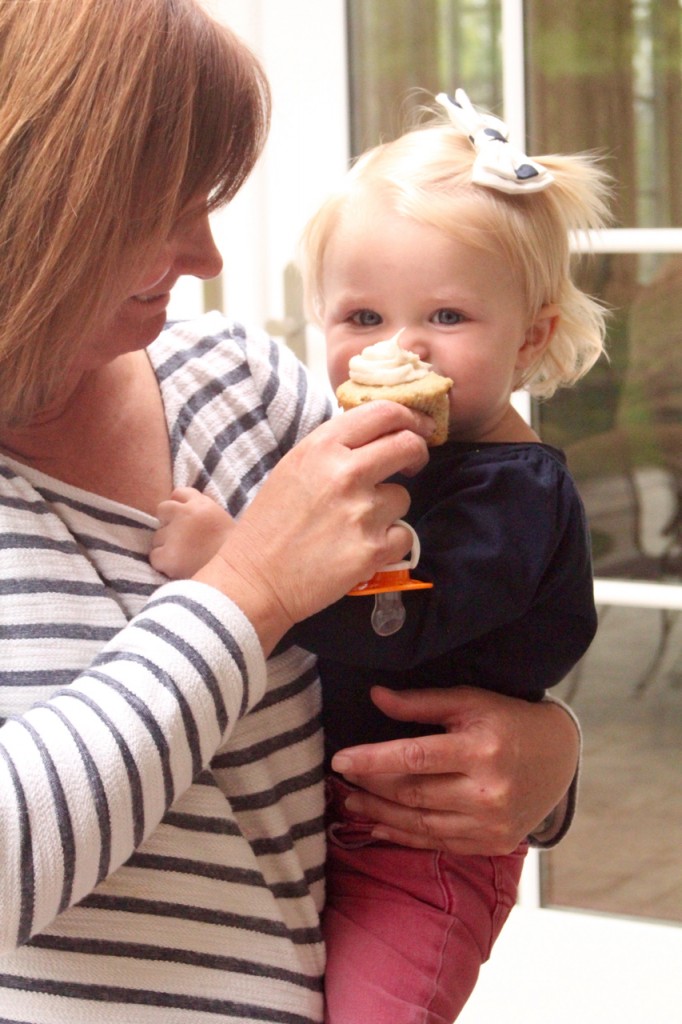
x=323, y=519
x=554, y=827
x=87, y=774
x=502, y=767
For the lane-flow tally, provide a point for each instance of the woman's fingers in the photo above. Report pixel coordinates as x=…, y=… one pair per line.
x=423, y=827
x=377, y=419
x=324, y=519
x=438, y=753
x=385, y=437
x=497, y=769
x=473, y=822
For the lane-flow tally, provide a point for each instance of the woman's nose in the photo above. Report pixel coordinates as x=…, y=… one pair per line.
x=196, y=252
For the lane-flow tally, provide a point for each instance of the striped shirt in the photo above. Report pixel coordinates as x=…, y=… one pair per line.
x=160, y=785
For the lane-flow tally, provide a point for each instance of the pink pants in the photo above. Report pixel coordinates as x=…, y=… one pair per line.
x=407, y=930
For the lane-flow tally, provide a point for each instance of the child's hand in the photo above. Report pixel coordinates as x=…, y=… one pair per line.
x=193, y=527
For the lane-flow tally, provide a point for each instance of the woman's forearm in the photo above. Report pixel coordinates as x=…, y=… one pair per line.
x=88, y=774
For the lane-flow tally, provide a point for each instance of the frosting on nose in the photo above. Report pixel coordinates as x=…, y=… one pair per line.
x=386, y=362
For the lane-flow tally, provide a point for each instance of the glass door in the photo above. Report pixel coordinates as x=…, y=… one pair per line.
x=572, y=76
x=568, y=75
x=613, y=83
x=596, y=936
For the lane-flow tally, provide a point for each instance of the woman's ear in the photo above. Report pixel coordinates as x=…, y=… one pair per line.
x=538, y=336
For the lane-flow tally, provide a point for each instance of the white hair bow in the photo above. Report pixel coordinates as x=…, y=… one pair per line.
x=498, y=164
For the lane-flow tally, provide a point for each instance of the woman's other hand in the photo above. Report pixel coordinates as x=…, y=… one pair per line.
x=481, y=787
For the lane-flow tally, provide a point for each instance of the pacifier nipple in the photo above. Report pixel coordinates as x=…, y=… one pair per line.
x=388, y=614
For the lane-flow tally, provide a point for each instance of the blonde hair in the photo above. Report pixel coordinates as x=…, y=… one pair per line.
x=113, y=115
x=426, y=175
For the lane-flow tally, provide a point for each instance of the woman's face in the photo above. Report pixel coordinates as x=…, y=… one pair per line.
x=140, y=317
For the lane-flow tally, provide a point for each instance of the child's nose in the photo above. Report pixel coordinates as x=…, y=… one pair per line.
x=412, y=340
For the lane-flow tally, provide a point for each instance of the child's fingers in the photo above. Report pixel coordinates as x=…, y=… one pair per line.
x=166, y=511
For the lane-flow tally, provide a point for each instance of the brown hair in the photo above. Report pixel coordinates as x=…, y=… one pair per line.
x=113, y=115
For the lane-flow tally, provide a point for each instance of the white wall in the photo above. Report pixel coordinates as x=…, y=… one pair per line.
x=302, y=46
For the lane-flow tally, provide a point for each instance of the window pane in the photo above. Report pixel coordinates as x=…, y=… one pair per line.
x=622, y=426
x=604, y=76
x=621, y=429
x=402, y=52
x=611, y=80
x=622, y=854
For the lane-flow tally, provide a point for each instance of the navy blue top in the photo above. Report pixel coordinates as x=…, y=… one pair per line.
x=504, y=539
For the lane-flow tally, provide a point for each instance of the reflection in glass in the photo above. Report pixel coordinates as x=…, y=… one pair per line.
x=612, y=81
x=402, y=52
x=621, y=427
x=622, y=855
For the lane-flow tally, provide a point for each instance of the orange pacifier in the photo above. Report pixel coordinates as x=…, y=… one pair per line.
x=389, y=612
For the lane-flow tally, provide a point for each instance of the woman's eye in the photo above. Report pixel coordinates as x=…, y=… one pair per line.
x=448, y=317
x=366, y=318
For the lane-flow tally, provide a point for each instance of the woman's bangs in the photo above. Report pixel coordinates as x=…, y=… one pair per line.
x=230, y=120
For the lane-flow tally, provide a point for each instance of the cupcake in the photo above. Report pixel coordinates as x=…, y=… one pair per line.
x=387, y=371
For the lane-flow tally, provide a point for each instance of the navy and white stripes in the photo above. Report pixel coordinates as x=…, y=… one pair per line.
x=162, y=853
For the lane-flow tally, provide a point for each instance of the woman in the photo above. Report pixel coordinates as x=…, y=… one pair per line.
x=160, y=807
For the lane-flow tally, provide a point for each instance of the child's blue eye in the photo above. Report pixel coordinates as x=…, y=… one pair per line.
x=366, y=318
x=448, y=317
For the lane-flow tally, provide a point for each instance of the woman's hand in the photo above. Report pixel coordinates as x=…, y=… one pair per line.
x=483, y=786
x=324, y=519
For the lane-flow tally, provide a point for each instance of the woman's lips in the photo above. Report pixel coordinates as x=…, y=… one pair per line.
x=150, y=300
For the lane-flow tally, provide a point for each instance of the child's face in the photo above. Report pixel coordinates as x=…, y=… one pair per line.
x=459, y=306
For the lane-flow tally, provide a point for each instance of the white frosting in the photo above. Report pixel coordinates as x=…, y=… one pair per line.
x=386, y=363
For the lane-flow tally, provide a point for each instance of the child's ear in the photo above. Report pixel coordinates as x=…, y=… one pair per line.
x=538, y=336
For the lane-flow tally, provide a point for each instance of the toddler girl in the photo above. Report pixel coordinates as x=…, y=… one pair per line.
x=460, y=243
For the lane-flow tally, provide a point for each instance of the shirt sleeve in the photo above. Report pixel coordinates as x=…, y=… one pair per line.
x=89, y=773
x=295, y=402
